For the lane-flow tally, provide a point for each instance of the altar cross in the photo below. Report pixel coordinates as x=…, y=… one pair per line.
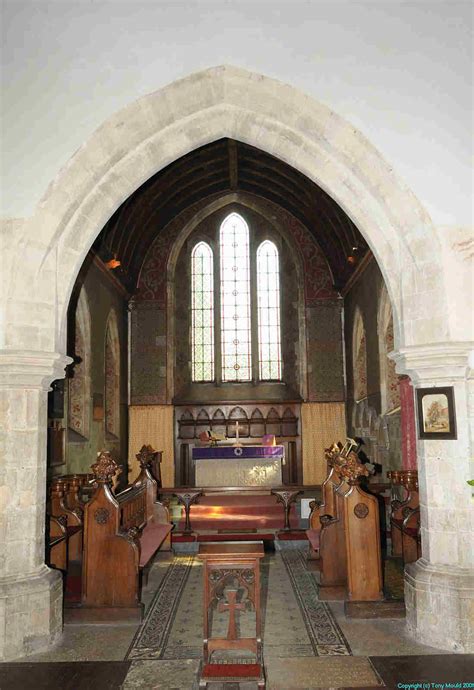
x=231, y=605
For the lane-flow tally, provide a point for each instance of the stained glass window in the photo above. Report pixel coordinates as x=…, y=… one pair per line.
x=236, y=346
x=268, y=291
x=202, y=313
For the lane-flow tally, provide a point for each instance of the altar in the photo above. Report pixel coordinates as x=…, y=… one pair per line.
x=244, y=465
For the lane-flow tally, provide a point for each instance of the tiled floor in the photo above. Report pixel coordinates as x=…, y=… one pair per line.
x=92, y=658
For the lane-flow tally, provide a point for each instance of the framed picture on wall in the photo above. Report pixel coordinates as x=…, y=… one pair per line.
x=436, y=413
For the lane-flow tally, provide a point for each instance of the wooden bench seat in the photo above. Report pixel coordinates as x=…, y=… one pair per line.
x=153, y=536
x=122, y=533
x=411, y=537
x=319, y=508
x=349, y=540
x=314, y=538
x=57, y=543
x=405, y=515
x=58, y=507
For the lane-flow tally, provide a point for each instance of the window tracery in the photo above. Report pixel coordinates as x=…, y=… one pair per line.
x=202, y=312
x=221, y=300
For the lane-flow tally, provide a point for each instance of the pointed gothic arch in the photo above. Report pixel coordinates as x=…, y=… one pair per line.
x=197, y=110
x=154, y=131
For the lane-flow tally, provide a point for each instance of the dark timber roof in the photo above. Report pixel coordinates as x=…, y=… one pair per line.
x=218, y=168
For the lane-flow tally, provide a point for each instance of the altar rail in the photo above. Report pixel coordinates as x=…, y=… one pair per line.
x=286, y=495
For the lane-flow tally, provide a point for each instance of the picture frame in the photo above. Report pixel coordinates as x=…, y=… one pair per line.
x=436, y=413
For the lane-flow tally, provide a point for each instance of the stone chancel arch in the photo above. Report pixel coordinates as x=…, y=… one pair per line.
x=228, y=102
x=48, y=249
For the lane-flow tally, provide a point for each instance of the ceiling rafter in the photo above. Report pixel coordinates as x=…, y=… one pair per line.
x=215, y=169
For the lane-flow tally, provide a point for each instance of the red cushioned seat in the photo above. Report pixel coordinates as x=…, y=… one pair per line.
x=152, y=538
x=313, y=538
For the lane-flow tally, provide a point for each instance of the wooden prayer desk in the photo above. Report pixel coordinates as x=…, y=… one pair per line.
x=231, y=578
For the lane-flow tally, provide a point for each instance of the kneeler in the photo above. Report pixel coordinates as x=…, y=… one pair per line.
x=230, y=568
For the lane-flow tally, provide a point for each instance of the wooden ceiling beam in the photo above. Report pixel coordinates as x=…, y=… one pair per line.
x=233, y=164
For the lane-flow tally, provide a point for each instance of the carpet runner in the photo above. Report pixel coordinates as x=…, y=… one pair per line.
x=295, y=622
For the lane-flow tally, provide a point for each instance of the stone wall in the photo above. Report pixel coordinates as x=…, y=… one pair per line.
x=310, y=310
x=103, y=296
x=379, y=428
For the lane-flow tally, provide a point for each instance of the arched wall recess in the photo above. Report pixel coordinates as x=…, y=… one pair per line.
x=79, y=384
x=389, y=386
x=359, y=357
x=112, y=377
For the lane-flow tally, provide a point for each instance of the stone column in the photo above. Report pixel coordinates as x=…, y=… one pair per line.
x=30, y=593
x=439, y=587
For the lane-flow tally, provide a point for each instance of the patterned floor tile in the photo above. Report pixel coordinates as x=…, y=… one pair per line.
x=295, y=622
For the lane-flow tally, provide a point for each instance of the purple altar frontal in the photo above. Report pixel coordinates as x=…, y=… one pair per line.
x=238, y=465
x=223, y=452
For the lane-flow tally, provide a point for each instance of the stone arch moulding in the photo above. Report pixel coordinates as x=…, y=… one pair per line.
x=224, y=101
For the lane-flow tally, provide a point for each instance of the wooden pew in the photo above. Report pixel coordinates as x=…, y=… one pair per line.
x=58, y=508
x=407, y=481
x=121, y=535
x=318, y=508
x=76, y=486
x=350, y=549
x=333, y=557
x=57, y=542
x=411, y=537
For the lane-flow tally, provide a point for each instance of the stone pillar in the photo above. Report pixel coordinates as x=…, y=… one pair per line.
x=439, y=587
x=30, y=593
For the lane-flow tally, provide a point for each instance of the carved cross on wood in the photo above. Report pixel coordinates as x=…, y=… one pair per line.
x=231, y=605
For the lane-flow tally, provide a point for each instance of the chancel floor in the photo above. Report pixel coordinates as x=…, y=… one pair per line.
x=307, y=643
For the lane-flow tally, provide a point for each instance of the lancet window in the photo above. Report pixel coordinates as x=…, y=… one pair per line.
x=237, y=296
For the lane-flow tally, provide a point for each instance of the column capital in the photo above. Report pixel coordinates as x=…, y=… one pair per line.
x=31, y=369
x=436, y=362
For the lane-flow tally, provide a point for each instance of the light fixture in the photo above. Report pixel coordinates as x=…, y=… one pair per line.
x=113, y=263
